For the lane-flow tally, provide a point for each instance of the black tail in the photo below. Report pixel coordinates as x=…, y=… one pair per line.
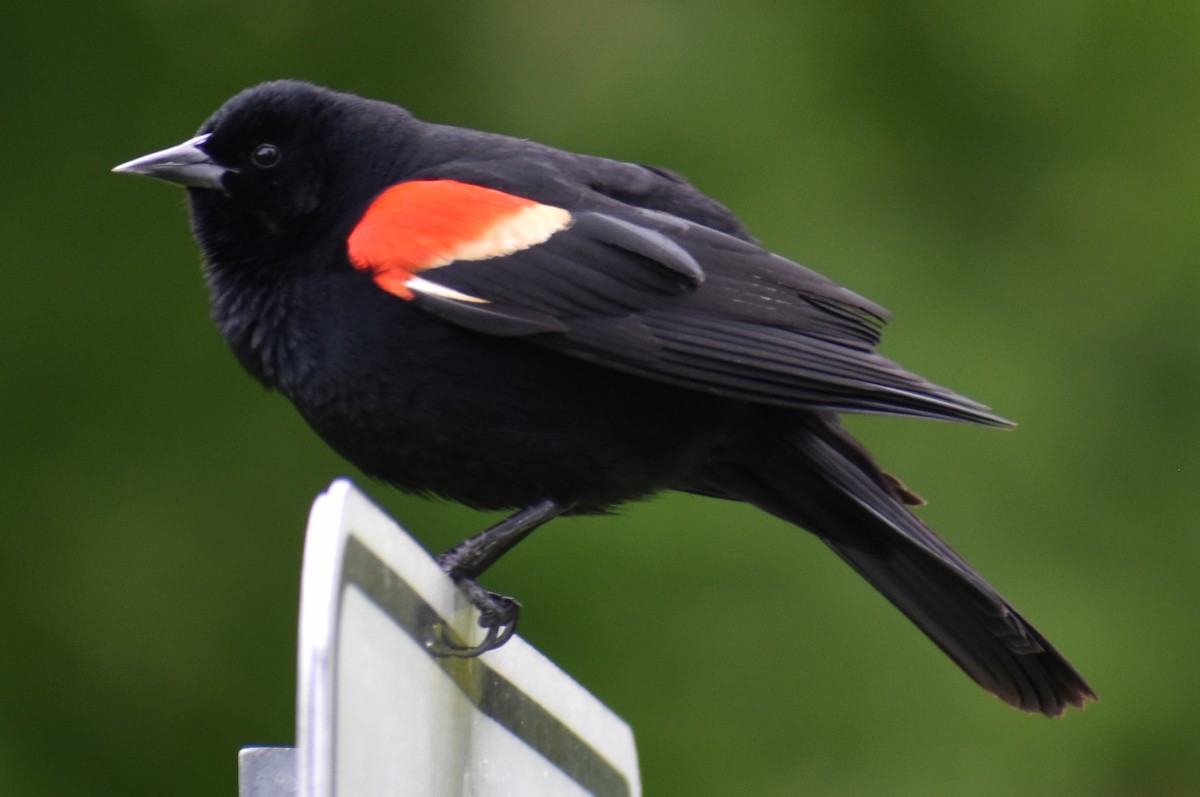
x=819, y=478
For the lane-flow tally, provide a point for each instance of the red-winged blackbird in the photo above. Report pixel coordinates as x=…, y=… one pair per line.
x=512, y=326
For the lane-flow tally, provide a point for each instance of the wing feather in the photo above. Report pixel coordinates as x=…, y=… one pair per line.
x=675, y=301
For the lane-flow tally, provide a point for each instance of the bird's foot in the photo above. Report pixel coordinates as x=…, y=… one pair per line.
x=468, y=560
x=498, y=614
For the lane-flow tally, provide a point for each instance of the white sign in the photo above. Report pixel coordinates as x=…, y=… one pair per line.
x=379, y=713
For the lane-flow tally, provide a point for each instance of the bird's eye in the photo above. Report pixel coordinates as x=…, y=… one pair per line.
x=265, y=156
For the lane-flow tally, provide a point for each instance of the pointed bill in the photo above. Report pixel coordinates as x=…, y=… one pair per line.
x=185, y=164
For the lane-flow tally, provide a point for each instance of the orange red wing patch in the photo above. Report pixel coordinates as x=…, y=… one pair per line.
x=422, y=224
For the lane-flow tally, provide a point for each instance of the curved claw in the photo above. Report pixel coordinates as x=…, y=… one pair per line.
x=497, y=613
x=468, y=560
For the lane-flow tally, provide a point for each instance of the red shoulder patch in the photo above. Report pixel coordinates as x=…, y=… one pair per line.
x=423, y=224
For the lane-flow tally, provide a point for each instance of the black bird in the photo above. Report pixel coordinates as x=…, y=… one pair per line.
x=515, y=327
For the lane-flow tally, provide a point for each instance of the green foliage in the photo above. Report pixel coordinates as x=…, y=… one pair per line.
x=1016, y=182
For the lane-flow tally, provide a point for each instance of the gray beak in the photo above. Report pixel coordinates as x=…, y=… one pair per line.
x=184, y=164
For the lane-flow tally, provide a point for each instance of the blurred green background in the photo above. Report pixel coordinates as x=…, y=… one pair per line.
x=1017, y=182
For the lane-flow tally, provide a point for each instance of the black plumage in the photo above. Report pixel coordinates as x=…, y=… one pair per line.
x=626, y=337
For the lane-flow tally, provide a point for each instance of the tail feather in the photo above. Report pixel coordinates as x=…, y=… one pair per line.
x=825, y=482
x=993, y=644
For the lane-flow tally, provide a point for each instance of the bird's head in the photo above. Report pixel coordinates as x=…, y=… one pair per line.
x=280, y=163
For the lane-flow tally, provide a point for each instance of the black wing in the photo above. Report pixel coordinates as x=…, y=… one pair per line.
x=655, y=295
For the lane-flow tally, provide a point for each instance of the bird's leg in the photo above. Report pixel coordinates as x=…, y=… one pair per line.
x=465, y=562
x=470, y=558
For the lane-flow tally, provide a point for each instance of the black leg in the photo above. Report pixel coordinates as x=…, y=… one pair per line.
x=468, y=560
